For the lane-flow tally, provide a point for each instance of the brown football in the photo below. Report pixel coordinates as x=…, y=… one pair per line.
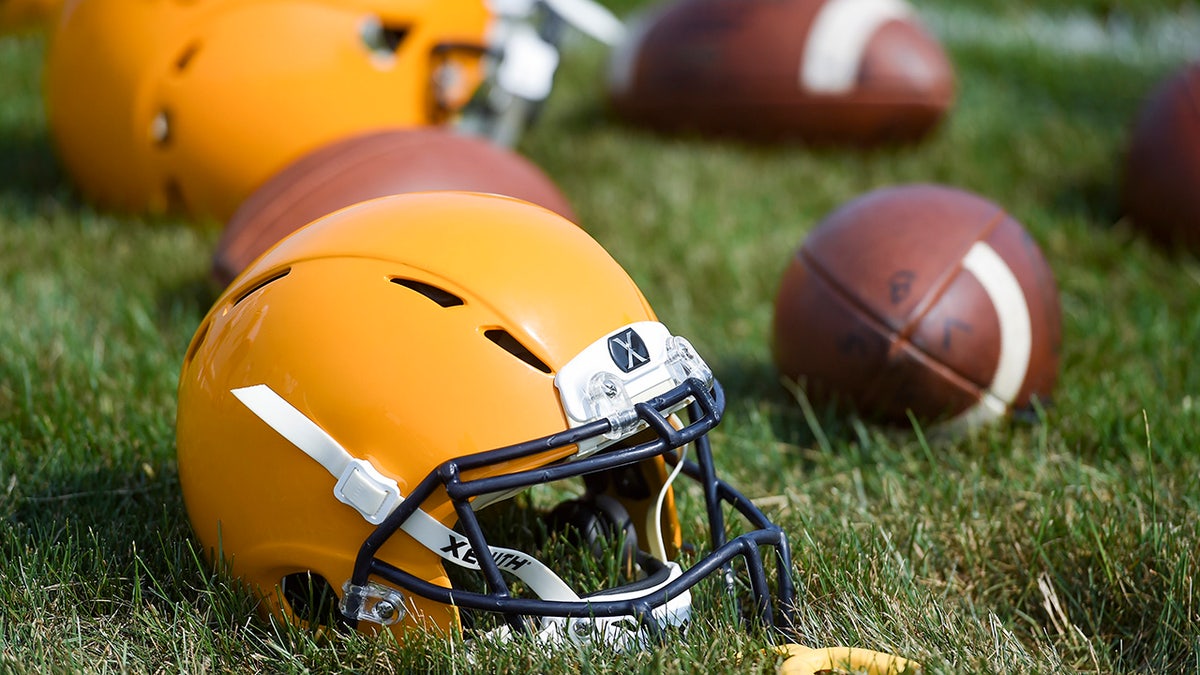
x=920, y=298
x=1161, y=181
x=846, y=72
x=373, y=165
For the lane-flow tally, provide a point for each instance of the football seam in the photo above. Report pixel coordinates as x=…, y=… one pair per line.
x=901, y=337
x=954, y=377
x=942, y=283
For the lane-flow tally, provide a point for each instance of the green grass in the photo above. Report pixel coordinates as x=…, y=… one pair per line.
x=1071, y=544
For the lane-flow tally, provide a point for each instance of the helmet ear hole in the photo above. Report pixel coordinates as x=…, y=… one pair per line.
x=312, y=599
x=595, y=523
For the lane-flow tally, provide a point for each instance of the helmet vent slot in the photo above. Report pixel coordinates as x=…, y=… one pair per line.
x=382, y=39
x=197, y=341
x=439, y=295
x=510, y=344
x=185, y=57
x=260, y=285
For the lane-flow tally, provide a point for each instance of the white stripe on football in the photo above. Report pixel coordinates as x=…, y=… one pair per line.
x=1016, y=333
x=838, y=40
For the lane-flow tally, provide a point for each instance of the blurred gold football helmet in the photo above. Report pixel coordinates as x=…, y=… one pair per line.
x=359, y=392
x=190, y=104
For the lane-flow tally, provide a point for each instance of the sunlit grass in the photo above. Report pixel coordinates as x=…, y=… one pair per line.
x=1067, y=544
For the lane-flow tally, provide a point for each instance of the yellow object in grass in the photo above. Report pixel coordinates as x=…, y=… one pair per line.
x=803, y=660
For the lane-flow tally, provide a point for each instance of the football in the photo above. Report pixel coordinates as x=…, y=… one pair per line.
x=844, y=72
x=1161, y=180
x=921, y=298
x=372, y=165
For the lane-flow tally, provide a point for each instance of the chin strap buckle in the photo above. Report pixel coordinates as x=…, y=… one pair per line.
x=371, y=493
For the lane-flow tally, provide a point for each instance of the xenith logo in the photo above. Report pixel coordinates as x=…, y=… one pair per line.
x=628, y=350
x=505, y=560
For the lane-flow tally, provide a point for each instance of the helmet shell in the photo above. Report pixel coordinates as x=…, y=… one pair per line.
x=379, y=325
x=189, y=105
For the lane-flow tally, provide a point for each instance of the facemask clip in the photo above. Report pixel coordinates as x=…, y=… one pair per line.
x=608, y=399
x=683, y=362
x=376, y=603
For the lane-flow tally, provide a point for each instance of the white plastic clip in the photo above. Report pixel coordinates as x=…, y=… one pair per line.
x=371, y=493
x=527, y=68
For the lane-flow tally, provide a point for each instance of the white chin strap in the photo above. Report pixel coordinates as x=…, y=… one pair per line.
x=654, y=519
x=375, y=496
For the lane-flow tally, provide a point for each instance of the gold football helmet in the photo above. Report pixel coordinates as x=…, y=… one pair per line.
x=368, y=385
x=190, y=105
